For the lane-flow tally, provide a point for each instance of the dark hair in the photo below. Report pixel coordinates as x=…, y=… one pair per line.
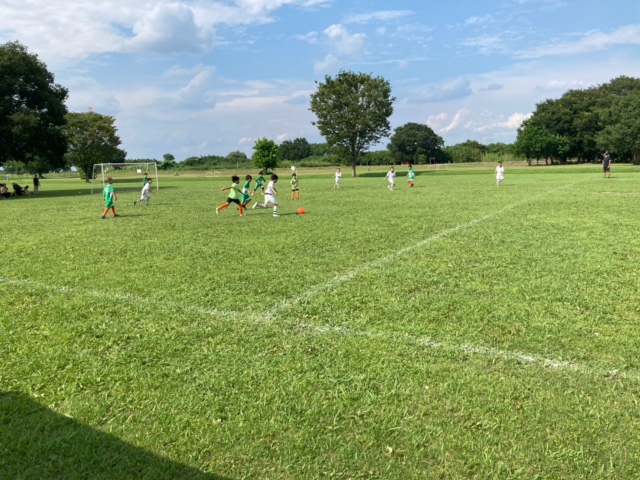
x=235, y=178
x=274, y=177
x=248, y=177
x=293, y=175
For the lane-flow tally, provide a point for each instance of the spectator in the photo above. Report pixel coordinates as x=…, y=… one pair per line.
x=4, y=191
x=36, y=184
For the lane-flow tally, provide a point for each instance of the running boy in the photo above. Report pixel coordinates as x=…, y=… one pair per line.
x=411, y=176
x=499, y=174
x=234, y=194
x=109, y=199
x=259, y=184
x=295, y=190
x=338, y=177
x=246, y=198
x=146, y=193
x=270, y=196
x=391, y=176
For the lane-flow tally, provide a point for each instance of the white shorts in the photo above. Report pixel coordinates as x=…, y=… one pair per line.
x=270, y=199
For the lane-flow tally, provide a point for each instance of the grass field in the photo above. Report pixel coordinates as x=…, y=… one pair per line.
x=453, y=330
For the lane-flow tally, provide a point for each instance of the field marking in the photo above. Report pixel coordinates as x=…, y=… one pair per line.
x=338, y=280
x=128, y=297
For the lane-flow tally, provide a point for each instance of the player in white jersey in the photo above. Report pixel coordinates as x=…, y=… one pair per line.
x=146, y=193
x=338, y=177
x=391, y=176
x=499, y=174
x=270, y=196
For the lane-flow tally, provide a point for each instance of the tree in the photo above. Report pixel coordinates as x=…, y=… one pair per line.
x=168, y=162
x=621, y=135
x=92, y=139
x=414, y=142
x=32, y=111
x=352, y=111
x=265, y=154
x=535, y=142
x=292, y=150
x=237, y=157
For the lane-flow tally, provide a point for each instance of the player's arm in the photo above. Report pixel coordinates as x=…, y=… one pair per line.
x=225, y=189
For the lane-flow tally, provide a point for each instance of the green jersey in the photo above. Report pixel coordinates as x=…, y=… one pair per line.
x=245, y=192
x=234, y=193
x=411, y=175
x=107, y=193
x=294, y=183
x=259, y=181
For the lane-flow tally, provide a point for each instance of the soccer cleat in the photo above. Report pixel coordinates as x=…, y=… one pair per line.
x=217, y=211
x=116, y=215
x=104, y=217
x=255, y=205
x=275, y=215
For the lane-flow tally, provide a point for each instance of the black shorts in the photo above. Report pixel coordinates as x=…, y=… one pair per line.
x=606, y=168
x=234, y=200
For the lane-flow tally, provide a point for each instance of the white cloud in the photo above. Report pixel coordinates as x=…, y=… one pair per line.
x=458, y=88
x=169, y=28
x=326, y=65
x=479, y=20
x=457, y=120
x=380, y=16
x=343, y=42
x=590, y=41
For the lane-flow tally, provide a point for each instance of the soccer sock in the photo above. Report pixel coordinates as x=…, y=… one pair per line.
x=113, y=209
x=275, y=209
x=223, y=206
x=241, y=209
x=106, y=210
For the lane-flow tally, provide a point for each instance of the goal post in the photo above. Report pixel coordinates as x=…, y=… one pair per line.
x=122, y=171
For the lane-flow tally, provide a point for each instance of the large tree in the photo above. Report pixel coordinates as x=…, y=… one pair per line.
x=92, y=139
x=32, y=111
x=265, y=154
x=414, y=142
x=352, y=111
x=292, y=150
x=621, y=135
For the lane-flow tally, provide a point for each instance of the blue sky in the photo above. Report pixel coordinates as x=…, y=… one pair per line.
x=202, y=77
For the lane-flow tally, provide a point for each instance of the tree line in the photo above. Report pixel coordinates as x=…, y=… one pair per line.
x=38, y=134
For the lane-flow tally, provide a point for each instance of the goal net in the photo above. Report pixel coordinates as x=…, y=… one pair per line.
x=127, y=176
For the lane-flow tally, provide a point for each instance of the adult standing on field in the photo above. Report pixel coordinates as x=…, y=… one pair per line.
x=36, y=183
x=606, y=165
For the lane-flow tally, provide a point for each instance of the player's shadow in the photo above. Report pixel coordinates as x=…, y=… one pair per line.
x=37, y=443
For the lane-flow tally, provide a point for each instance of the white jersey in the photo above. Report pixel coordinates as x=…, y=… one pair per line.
x=270, y=189
x=500, y=172
x=146, y=190
x=338, y=177
x=391, y=176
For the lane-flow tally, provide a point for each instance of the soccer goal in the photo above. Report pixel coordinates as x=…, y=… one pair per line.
x=127, y=176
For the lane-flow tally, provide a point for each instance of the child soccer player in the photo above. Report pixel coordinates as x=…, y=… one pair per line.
x=145, y=179
x=499, y=174
x=338, y=177
x=411, y=176
x=109, y=199
x=146, y=193
x=259, y=184
x=234, y=195
x=270, y=196
x=295, y=191
x=246, y=198
x=391, y=176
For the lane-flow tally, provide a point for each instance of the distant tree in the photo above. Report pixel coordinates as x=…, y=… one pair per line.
x=168, y=162
x=92, y=139
x=319, y=149
x=292, y=150
x=352, y=111
x=535, y=142
x=414, y=142
x=621, y=135
x=265, y=154
x=466, y=152
x=32, y=111
x=237, y=157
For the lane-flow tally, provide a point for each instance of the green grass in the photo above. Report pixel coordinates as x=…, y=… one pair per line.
x=454, y=330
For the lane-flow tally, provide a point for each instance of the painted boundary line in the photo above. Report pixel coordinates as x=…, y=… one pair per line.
x=314, y=291
x=521, y=358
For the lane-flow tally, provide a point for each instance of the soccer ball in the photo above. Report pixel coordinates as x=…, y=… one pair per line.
x=293, y=168
x=300, y=211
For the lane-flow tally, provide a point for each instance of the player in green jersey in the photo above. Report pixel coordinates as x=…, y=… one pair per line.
x=246, y=198
x=411, y=176
x=259, y=183
x=295, y=190
x=234, y=196
x=109, y=199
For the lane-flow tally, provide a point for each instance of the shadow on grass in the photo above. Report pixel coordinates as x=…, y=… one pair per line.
x=37, y=443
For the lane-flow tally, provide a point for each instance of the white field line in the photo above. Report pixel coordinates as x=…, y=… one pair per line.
x=212, y=312
x=334, y=282
x=521, y=358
